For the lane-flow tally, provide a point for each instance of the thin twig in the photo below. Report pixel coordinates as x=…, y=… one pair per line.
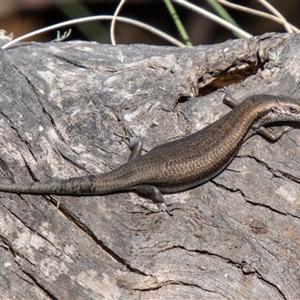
x=97, y=18
x=113, y=22
x=274, y=11
x=214, y=18
x=257, y=13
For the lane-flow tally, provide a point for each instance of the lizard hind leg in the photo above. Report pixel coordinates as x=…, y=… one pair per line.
x=145, y=190
x=153, y=193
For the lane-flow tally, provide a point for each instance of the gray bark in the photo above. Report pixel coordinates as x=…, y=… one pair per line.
x=235, y=237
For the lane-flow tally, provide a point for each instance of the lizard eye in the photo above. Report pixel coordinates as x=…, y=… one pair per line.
x=292, y=109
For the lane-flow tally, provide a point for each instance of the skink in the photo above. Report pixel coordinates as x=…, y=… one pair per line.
x=184, y=163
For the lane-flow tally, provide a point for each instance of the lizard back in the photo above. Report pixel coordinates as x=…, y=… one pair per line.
x=180, y=164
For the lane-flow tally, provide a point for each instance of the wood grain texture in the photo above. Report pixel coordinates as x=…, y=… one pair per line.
x=235, y=237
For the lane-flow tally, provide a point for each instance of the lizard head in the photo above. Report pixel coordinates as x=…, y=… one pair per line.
x=281, y=109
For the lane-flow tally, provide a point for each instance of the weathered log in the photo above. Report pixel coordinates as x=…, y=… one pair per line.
x=235, y=237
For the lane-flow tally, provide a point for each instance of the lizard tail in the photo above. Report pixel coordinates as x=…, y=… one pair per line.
x=74, y=186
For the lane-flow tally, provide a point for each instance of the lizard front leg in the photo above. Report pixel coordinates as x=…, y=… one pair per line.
x=134, y=143
x=271, y=135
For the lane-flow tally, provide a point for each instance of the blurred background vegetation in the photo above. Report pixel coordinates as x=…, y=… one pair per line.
x=20, y=17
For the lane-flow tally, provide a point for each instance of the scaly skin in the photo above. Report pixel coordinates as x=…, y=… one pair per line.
x=181, y=164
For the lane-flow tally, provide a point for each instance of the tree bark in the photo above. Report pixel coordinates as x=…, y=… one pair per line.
x=234, y=237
